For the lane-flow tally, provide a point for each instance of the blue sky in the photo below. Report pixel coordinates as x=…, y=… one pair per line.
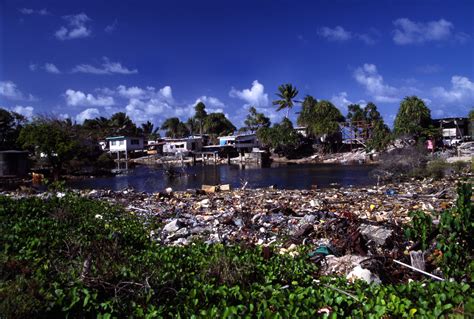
x=156, y=59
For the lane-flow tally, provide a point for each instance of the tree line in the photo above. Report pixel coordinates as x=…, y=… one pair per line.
x=63, y=141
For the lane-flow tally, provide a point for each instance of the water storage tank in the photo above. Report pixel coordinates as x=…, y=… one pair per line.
x=13, y=163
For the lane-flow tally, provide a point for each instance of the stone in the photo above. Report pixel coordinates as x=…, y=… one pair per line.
x=363, y=274
x=172, y=226
x=377, y=234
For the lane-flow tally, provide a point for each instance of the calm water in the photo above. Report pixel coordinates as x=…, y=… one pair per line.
x=149, y=179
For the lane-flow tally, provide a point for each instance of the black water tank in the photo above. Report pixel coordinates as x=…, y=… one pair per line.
x=13, y=163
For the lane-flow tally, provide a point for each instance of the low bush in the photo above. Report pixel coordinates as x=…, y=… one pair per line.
x=76, y=257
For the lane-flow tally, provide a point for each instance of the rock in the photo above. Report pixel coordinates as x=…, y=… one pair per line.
x=200, y=230
x=172, y=226
x=377, y=234
x=181, y=242
x=363, y=274
x=304, y=231
x=308, y=219
x=180, y=233
x=238, y=222
x=204, y=203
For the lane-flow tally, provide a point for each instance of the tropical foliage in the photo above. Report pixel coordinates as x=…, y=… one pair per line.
x=255, y=120
x=413, y=117
x=10, y=127
x=286, y=94
x=217, y=124
x=321, y=118
x=175, y=128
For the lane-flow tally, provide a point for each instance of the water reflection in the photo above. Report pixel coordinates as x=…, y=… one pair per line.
x=153, y=179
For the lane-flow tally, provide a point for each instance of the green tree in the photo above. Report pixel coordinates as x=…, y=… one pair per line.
x=355, y=114
x=200, y=115
x=255, y=120
x=413, y=117
x=282, y=138
x=98, y=128
x=380, y=136
x=54, y=139
x=307, y=107
x=193, y=125
x=286, y=93
x=321, y=118
x=471, y=115
x=10, y=126
x=216, y=124
x=175, y=128
x=149, y=130
x=121, y=124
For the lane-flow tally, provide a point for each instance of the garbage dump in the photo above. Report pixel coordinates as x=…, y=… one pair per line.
x=357, y=232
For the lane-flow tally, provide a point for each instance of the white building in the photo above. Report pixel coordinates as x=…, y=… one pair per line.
x=245, y=142
x=182, y=145
x=125, y=143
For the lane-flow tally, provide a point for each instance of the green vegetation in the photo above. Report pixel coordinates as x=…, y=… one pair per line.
x=81, y=258
x=321, y=118
x=286, y=94
x=420, y=228
x=369, y=124
x=282, y=138
x=456, y=227
x=255, y=121
x=11, y=124
x=413, y=117
x=175, y=128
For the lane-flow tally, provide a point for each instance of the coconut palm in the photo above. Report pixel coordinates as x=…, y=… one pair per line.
x=174, y=128
x=286, y=93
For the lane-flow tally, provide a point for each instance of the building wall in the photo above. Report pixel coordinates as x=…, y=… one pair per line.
x=127, y=144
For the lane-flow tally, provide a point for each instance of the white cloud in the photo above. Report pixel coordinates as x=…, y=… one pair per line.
x=111, y=27
x=78, y=98
x=366, y=38
x=254, y=96
x=87, y=114
x=33, y=67
x=461, y=91
x=28, y=11
x=339, y=34
x=368, y=76
x=26, y=111
x=51, y=68
x=341, y=100
x=163, y=94
x=335, y=34
x=107, y=67
x=9, y=90
x=429, y=69
x=77, y=27
x=213, y=104
x=411, y=32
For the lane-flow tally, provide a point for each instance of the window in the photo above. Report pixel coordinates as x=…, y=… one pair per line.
x=121, y=142
x=112, y=143
x=135, y=142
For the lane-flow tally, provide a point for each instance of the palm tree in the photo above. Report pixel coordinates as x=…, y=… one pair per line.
x=200, y=115
x=286, y=93
x=307, y=107
x=174, y=128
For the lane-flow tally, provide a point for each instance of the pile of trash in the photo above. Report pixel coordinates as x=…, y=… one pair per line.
x=355, y=232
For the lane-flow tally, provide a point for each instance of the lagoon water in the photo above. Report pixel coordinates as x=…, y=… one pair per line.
x=301, y=176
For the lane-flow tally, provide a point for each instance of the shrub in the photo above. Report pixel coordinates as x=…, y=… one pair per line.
x=437, y=168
